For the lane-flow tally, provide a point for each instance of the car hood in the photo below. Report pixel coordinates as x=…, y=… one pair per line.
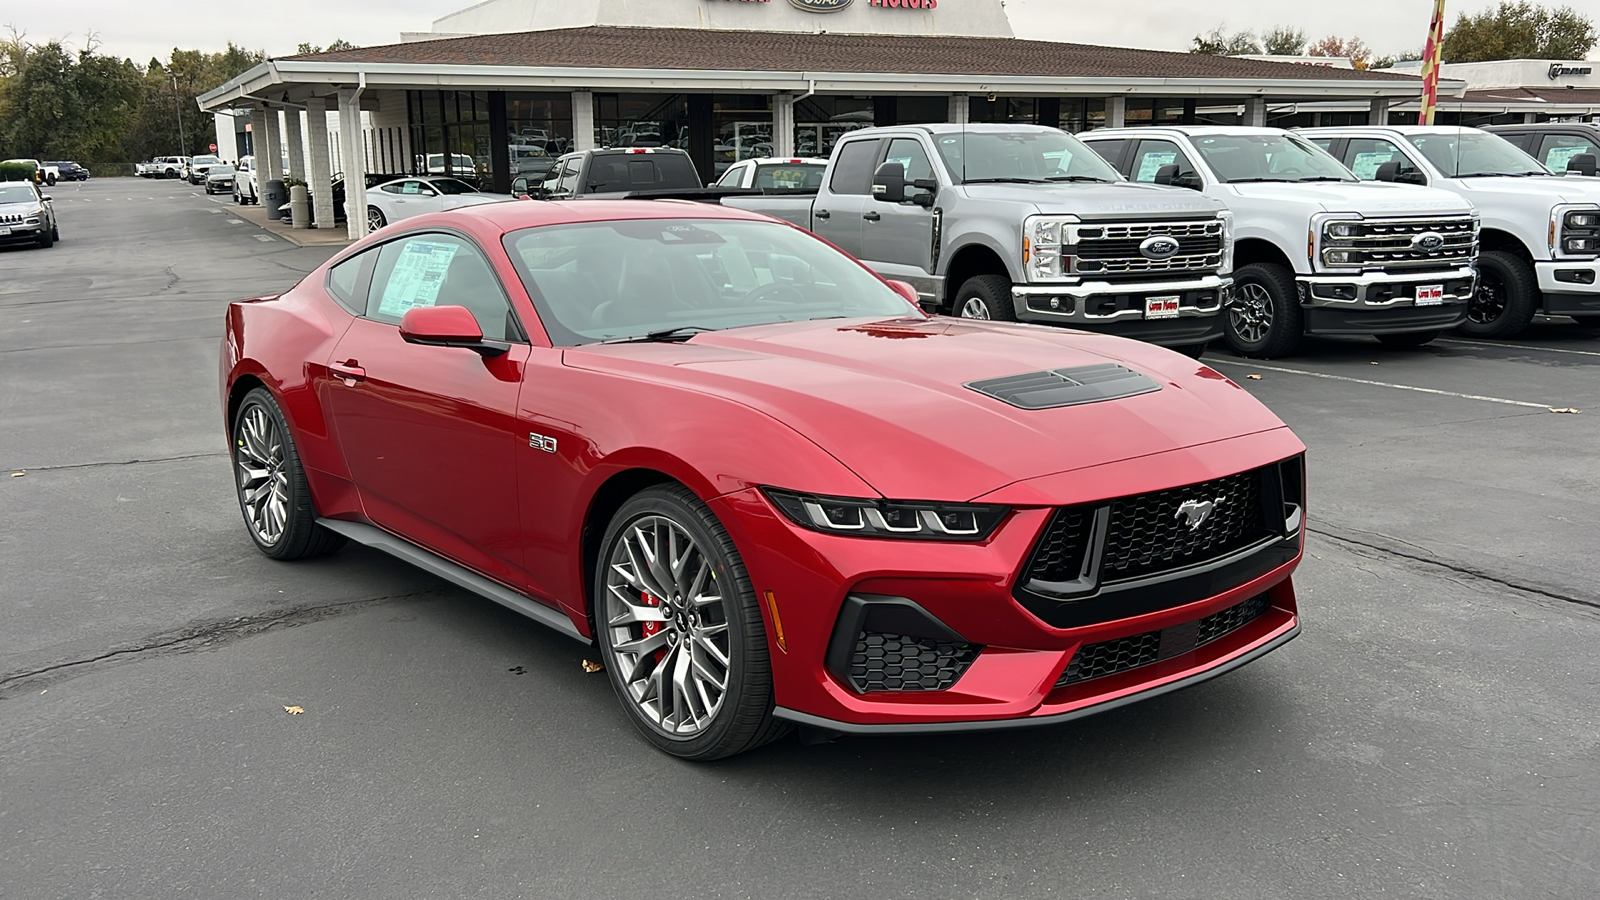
x=1556, y=190
x=24, y=206
x=1365, y=197
x=888, y=398
x=1094, y=200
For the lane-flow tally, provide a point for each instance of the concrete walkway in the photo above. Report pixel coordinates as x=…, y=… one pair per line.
x=300, y=237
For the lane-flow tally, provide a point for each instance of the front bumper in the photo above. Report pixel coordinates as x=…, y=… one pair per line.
x=1019, y=669
x=1116, y=308
x=1383, y=302
x=21, y=232
x=1570, y=287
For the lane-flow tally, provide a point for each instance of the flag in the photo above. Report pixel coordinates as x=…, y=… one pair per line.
x=1430, y=65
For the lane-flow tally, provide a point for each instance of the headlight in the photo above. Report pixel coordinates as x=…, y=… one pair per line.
x=1339, y=257
x=1047, y=247
x=910, y=519
x=1343, y=230
x=1332, y=240
x=1575, y=230
x=1583, y=220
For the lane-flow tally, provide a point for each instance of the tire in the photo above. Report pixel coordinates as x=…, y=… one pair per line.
x=55, y=232
x=375, y=219
x=1265, y=320
x=1193, y=351
x=47, y=239
x=985, y=297
x=1409, y=340
x=266, y=465
x=50, y=180
x=1506, y=299
x=668, y=519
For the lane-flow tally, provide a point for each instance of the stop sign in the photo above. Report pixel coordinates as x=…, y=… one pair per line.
x=213, y=148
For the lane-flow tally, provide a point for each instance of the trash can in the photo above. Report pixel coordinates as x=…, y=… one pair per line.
x=299, y=207
x=273, y=196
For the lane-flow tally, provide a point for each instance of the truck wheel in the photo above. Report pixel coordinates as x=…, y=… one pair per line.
x=1265, y=320
x=1409, y=340
x=1507, y=296
x=986, y=297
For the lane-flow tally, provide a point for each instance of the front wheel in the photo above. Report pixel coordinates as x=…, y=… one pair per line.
x=1265, y=320
x=1408, y=340
x=1507, y=296
x=680, y=631
x=271, y=485
x=986, y=297
x=375, y=218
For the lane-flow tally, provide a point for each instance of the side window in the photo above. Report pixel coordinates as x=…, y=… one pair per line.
x=1326, y=143
x=1522, y=140
x=1111, y=151
x=344, y=281
x=395, y=187
x=1556, y=150
x=731, y=177
x=567, y=181
x=852, y=170
x=439, y=270
x=1153, y=156
x=909, y=153
x=1363, y=156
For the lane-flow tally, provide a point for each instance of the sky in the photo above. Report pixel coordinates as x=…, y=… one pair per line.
x=127, y=28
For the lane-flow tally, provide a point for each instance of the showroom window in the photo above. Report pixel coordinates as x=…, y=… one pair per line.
x=641, y=120
x=820, y=121
x=742, y=124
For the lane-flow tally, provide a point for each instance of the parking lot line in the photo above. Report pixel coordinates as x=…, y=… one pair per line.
x=264, y=238
x=235, y=221
x=1517, y=347
x=1398, y=387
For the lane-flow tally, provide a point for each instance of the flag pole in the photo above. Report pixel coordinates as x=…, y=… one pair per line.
x=1430, y=65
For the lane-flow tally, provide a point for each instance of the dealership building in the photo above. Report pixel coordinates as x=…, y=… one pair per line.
x=497, y=87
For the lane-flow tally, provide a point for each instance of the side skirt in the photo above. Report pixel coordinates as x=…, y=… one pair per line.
x=460, y=576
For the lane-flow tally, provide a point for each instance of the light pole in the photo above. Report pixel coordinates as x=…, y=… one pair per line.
x=177, y=107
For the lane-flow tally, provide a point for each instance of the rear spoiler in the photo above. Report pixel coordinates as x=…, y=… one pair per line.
x=704, y=195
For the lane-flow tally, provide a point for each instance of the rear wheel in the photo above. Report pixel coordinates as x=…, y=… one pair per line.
x=1507, y=296
x=986, y=297
x=375, y=218
x=271, y=485
x=1265, y=319
x=1408, y=340
x=679, y=629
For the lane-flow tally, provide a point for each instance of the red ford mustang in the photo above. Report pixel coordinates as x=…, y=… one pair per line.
x=764, y=483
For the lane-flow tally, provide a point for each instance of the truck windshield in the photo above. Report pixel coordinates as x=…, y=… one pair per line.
x=1475, y=154
x=1021, y=156
x=1236, y=158
x=627, y=279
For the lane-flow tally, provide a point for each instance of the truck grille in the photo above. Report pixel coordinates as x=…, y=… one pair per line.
x=1113, y=250
x=1390, y=243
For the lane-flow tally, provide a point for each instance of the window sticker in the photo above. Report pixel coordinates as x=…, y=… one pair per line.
x=1151, y=162
x=416, y=278
x=1366, y=164
x=1557, y=158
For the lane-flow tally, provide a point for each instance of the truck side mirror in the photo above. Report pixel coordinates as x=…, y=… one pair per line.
x=1167, y=174
x=1389, y=171
x=1581, y=164
x=889, y=183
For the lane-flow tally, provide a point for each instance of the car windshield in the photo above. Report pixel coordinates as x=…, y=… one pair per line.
x=223, y=169
x=452, y=186
x=1239, y=158
x=17, y=193
x=1021, y=156
x=790, y=176
x=606, y=281
x=1473, y=154
x=204, y=161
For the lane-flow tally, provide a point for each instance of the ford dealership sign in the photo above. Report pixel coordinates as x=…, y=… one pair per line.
x=820, y=6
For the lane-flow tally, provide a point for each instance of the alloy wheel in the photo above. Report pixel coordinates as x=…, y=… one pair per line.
x=374, y=219
x=975, y=308
x=1251, y=313
x=263, y=478
x=1488, y=302
x=668, y=626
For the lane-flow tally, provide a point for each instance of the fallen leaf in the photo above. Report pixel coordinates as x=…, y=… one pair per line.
x=1375, y=363
x=294, y=710
x=591, y=666
x=1565, y=409
x=18, y=474
x=1253, y=377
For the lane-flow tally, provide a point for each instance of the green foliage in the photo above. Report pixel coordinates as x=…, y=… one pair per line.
x=337, y=45
x=17, y=172
x=1520, y=30
x=1220, y=43
x=1284, y=40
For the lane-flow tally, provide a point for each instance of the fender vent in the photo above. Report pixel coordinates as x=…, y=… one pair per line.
x=1066, y=387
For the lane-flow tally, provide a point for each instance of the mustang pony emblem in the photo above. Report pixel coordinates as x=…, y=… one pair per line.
x=1196, y=513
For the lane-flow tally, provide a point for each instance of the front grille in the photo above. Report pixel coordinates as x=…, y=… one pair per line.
x=1122, y=654
x=894, y=662
x=1059, y=556
x=11, y=220
x=1148, y=533
x=1387, y=243
x=1112, y=250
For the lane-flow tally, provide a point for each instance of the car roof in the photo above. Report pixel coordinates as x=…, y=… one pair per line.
x=1544, y=126
x=785, y=161
x=516, y=215
x=1188, y=130
x=1395, y=129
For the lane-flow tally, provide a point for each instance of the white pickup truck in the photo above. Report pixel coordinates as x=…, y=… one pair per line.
x=1541, y=232
x=1316, y=251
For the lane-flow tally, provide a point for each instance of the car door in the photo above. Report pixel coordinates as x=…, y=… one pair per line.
x=412, y=197
x=430, y=433
x=898, y=237
x=836, y=215
x=1556, y=150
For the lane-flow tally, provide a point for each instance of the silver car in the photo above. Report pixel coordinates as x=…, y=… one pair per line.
x=219, y=179
x=26, y=215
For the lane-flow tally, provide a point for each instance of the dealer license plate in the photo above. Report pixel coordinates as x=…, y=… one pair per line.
x=1430, y=294
x=4, y=231
x=1161, y=308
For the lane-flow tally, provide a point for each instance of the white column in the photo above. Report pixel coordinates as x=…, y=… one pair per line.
x=783, y=124
x=1116, y=112
x=1379, y=113
x=321, y=180
x=1255, y=111
x=583, y=120
x=294, y=144
x=960, y=109
x=269, y=166
x=355, y=163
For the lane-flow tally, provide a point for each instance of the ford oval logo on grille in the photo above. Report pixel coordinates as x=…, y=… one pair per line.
x=1158, y=247
x=1428, y=241
x=821, y=6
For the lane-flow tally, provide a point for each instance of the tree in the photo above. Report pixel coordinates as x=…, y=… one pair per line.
x=1354, y=49
x=1520, y=30
x=1220, y=43
x=338, y=44
x=1284, y=40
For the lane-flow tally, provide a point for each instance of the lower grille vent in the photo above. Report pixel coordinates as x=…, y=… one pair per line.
x=894, y=662
x=1121, y=654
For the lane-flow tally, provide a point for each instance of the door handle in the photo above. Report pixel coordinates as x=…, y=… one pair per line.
x=349, y=371
x=822, y=214
x=871, y=216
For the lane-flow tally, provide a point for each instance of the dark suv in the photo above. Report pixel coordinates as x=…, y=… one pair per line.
x=70, y=171
x=1557, y=145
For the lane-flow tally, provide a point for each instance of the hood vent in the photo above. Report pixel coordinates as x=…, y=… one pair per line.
x=1066, y=387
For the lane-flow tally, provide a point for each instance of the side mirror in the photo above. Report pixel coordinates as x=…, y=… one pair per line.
x=45, y=197
x=1167, y=174
x=905, y=290
x=447, y=326
x=1389, y=171
x=926, y=188
x=1581, y=164
x=889, y=184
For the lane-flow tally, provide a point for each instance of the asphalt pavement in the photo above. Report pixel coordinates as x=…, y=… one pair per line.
x=1434, y=733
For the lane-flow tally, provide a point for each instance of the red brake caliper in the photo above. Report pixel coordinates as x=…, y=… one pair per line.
x=651, y=628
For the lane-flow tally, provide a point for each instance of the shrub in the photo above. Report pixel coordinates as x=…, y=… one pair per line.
x=18, y=172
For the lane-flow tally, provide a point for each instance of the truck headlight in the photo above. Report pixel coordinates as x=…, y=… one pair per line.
x=1575, y=230
x=906, y=519
x=1332, y=240
x=1047, y=245
x=1225, y=216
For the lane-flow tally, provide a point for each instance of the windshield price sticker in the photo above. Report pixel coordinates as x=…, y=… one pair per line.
x=1430, y=294
x=1161, y=308
x=417, y=276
